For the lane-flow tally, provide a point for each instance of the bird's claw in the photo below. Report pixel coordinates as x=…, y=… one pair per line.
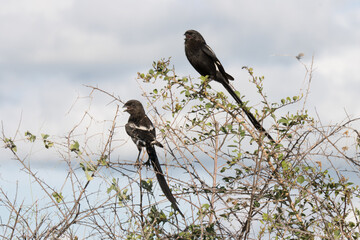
x=147, y=163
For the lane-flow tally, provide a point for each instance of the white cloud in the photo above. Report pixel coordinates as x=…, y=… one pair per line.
x=50, y=48
x=46, y=8
x=339, y=89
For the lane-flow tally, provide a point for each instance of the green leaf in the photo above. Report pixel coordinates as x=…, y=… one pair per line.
x=232, y=146
x=300, y=179
x=205, y=206
x=113, y=186
x=75, y=147
x=223, y=129
x=88, y=175
x=10, y=144
x=208, y=106
x=147, y=185
x=337, y=233
x=284, y=121
x=30, y=136
x=44, y=136
x=47, y=143
x=102, y=161
x=58, y=197
x=351, y=224
x=285, y=165
x=88, y=168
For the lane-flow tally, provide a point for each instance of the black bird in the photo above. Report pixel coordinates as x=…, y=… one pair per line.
x=205, y=62
x=142, y=132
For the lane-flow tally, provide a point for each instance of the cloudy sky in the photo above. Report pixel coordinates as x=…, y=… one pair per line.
x=50, y=49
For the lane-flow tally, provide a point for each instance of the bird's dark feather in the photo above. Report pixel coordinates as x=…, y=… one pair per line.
x=141, y=129
x=142, y=132
x=205, y=62
x=161, y=178
x=203, y=58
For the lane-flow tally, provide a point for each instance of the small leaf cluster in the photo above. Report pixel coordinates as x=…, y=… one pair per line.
x=122, y=195
x=89, y=170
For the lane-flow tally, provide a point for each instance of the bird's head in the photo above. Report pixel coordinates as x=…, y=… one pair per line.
x=193, y=35
x=134, y=107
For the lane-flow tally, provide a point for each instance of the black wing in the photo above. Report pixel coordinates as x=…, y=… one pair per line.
x=219, y=67
x=142, y=132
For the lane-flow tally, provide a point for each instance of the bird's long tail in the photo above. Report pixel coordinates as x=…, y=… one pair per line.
x=251, y=117
x=160, y=177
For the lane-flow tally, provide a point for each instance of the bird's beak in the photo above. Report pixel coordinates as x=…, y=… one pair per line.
x=125, y=108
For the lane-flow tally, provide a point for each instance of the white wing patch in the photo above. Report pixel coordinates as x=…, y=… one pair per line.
x=139, y=142
x=217, y=63
x=143, y=128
